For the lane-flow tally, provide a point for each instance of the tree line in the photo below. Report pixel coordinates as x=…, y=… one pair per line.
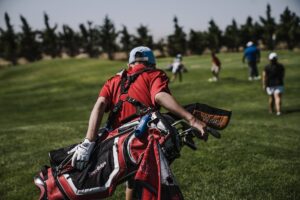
x=95, y=39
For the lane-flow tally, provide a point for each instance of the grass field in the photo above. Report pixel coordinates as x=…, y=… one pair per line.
x=46, y=105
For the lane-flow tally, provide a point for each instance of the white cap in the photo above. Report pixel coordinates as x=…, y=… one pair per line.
x=272, y=55
x=250, y=43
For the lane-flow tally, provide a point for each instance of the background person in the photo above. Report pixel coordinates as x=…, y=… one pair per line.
x=177, y=68
x=148, y=88
x=272, y=82
x=215, y=67
x=252, y=54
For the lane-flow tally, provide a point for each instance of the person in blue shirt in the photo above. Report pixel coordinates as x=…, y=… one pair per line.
x=252, y=55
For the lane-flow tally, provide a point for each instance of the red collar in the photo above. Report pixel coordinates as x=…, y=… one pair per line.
x=136, y=68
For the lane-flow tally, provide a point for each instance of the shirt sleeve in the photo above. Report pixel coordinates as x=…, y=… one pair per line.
x=159, y=83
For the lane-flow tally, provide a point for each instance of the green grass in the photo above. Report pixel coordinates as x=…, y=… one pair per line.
x=46, y=105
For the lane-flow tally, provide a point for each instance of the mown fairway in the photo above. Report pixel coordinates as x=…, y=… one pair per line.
x=46, y=105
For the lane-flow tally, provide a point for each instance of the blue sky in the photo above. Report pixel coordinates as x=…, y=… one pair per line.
x=157, y=15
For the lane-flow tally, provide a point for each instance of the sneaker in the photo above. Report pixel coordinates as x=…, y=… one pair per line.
x=213, y=79
x=250, y=78
x=278, y=113
x=257, y=78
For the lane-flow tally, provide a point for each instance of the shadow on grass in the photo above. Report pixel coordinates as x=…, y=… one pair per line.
x=235, y=80
x=291, y=110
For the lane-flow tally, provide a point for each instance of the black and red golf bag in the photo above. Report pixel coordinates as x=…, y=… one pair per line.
x=142, y=149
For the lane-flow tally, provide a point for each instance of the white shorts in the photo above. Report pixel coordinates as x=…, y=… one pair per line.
x=215, y=69
x=176, y=67
x=275, y=90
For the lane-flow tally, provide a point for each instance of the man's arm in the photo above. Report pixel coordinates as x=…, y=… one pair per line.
x=83, y=151
x=96, y=118
x=168, y=102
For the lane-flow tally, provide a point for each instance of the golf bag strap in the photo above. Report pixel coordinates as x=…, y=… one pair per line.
x=141, y=108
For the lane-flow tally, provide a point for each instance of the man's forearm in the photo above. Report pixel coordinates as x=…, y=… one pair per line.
x=96, y=118
x=167, y=101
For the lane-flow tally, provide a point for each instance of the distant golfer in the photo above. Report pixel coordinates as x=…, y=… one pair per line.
x=215, y=67
x=252, y=54
x=272, y=82
x=177, y=68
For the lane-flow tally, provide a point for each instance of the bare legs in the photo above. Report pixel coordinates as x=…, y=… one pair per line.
x=271, y=103
x=129, y=193
x=278, y=103
x=175, y=76
x=275, y=100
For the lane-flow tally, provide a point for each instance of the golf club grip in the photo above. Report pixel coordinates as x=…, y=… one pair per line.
x=213, y=132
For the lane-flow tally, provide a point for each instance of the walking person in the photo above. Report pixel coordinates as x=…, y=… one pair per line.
x=177, y=68
x=252, y=55
x=139, y=87
x=272, y=82
x=215, y=67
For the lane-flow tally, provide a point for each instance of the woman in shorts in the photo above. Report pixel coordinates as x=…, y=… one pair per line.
x=272, y=81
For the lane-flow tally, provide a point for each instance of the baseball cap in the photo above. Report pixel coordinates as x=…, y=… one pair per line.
x=178, y=56
x=250, y=43
x=272, y=55
x=143, y=54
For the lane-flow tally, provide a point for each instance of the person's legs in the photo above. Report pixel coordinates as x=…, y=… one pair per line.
x=271, y=103
x=129, y=194
x=278, y=103
x=254, y=69
x=173, y=77
x=250, y=78
x=130, y=185
x=217, y=75
x=180, y=76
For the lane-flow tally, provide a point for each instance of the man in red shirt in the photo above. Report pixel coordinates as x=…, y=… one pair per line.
x=140, y=87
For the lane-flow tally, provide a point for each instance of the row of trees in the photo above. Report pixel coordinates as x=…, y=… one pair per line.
x=96, y=39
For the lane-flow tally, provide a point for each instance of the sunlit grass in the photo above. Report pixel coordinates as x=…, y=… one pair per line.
x=46, y=105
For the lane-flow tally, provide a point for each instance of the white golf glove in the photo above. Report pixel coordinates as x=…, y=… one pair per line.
x=82, y=153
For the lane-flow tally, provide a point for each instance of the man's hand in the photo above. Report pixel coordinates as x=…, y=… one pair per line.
x=199, y=125
x=82, y=154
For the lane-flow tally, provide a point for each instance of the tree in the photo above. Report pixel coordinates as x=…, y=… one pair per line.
x=231, y=36
x=161, y=46
x=28, y=45
x=108, y=36
x=8, y=42
x=126, y=40
x=197, y=42
x=69, y=41
x=214, y=36
x=250, y=32
x=49, y=39
x=2, y=42
x=143, y=37
x=90, y=40
x=177, y=43
x=289, y=28
x=269, y=28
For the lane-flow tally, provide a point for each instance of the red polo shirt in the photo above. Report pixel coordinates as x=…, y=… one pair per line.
x=143, y=89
